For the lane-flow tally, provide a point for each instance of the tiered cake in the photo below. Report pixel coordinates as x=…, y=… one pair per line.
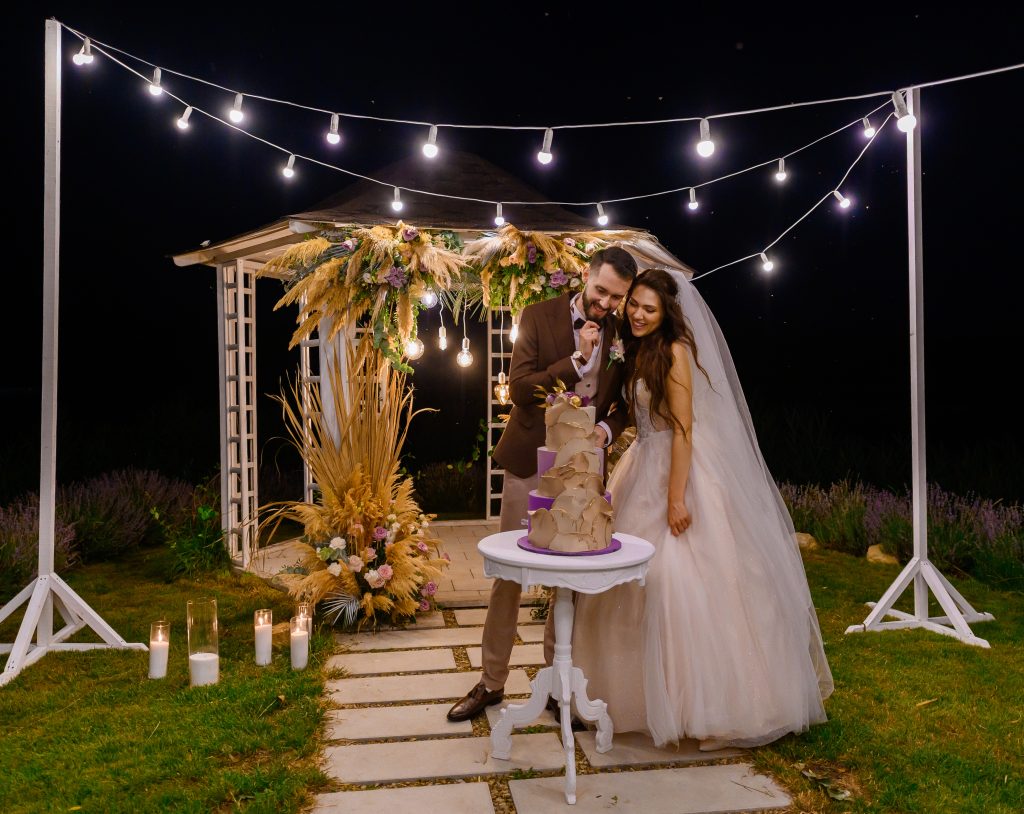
x=570, y=512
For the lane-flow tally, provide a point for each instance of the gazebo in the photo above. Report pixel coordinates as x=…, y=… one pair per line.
x=362, y=205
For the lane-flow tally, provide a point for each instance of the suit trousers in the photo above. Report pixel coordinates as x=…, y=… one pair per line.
x=503, y=609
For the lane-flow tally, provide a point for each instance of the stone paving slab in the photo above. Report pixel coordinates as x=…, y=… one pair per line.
x=693, y=790
x=453, y=757
x=477, y=616
x=546, y=718
x=450, y=798
x=637, y=749
x=423, y=687
x=531, y=634
x=374, y=723
x=523, y=655
x=393, y=661
x=406, y=639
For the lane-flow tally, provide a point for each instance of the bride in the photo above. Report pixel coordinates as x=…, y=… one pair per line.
x=722, y=644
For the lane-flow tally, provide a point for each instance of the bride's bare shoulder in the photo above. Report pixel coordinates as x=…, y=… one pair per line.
x=680, y=362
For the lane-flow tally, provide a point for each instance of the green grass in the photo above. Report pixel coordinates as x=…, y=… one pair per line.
x=90, y=730
x=962, y=752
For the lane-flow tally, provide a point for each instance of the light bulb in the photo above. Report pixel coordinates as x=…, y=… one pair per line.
x=429, y=298
x=844, y=202
x=465, y=358
x=499, y=219
x=430, y=147
x=705, y=147
x=766, y=264
x=235, y=114
x=693, y=199
x=84, y=56
x=288, y=171
x=333, y=136
x=442, y=338
x=183, y=118
x=396, y=204
x=501, y=390
x=414, y=348
x=869, y=129
x=513, y=334
x=545, y=155
x=154, y=86
x=905, y=120
x=780, y=176
x=602, y=218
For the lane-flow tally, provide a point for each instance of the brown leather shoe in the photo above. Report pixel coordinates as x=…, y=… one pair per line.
x=476, y=700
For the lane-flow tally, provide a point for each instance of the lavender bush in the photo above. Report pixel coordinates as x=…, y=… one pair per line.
x=19, y=544
x=966, y=534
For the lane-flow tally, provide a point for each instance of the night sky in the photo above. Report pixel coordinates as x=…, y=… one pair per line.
x=821, y=344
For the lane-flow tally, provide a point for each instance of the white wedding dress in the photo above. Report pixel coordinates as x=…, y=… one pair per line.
x=722, y=644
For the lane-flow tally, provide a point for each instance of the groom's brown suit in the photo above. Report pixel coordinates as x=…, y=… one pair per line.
x=541, y=357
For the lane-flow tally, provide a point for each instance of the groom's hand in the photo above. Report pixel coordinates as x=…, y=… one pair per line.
x=600, y=437
x=590, y=333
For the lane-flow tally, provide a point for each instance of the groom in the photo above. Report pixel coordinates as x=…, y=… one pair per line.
x=565, y=338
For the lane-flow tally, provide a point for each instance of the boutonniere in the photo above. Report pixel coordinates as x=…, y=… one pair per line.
x=616, y=352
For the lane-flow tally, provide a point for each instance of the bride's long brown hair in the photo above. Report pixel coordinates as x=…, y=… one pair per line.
x=650, y=357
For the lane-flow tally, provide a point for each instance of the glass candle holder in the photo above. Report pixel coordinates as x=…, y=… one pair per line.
x=299, y=629
x=263, y=622
x=304, y=610
x=203, y=651
x=159, y=646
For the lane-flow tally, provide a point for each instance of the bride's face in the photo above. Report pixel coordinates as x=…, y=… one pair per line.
x=644, y=311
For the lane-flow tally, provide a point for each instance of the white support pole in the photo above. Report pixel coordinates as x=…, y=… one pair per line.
x=38, y=619
x=920, y=570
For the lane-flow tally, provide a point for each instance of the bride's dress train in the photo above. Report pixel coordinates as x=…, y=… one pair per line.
x=722, y=644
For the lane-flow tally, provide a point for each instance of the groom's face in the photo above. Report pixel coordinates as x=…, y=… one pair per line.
x=603, y=291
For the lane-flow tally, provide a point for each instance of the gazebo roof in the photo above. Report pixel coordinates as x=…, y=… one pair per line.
x=365, y=203
x=457, y=173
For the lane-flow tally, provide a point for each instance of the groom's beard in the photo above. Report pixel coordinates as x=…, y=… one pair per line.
x=591, y=310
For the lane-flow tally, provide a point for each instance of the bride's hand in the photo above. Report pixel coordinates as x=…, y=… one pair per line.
x=678, y=516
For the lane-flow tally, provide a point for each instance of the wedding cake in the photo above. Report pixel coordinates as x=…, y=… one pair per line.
x=569, y=512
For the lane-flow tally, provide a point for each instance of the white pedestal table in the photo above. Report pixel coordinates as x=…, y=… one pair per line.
x=562, y=681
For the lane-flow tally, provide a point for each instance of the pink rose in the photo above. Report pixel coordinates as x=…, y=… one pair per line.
x=385, y=572
x=374, y=579
x=424, y=605
x=422, y=546
x=371, y=554
x=355, y=564
x=429, y=589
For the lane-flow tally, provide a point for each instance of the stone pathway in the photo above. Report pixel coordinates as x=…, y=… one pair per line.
x=391, y=748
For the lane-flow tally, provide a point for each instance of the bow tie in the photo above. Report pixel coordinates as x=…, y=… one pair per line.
x=580, y=322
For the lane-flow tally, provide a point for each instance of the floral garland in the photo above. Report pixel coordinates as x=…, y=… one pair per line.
x=381, y=271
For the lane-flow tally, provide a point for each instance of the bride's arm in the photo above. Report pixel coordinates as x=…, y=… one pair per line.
x=680, y=404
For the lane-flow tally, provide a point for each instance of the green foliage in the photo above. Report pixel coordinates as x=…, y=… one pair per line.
x=196, y=540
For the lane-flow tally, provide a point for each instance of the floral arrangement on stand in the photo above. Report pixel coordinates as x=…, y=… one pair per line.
x=520, y=268
x=379, y=272
x=369, y=555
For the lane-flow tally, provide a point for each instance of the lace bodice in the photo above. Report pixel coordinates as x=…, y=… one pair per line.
x=646, y=424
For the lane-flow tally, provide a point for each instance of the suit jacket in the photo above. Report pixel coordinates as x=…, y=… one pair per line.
x=542, y=354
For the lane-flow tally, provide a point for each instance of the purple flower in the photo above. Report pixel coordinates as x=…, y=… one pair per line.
x=558, y=278
x=409, y=233
x=585, y=401
x=380, y=533
x=422, y=546
x=396, y=277
x=569, y=242
x=531, y=253
x=446, y=556
x=429, y=589
x=550, y=398
x=348, y=245
x=424, y=605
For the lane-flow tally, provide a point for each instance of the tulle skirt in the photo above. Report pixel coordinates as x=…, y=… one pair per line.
x=720, y=645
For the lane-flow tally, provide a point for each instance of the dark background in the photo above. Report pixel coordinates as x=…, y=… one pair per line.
x=821, y=344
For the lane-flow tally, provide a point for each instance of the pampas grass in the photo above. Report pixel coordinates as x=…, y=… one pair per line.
x=362, y=495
